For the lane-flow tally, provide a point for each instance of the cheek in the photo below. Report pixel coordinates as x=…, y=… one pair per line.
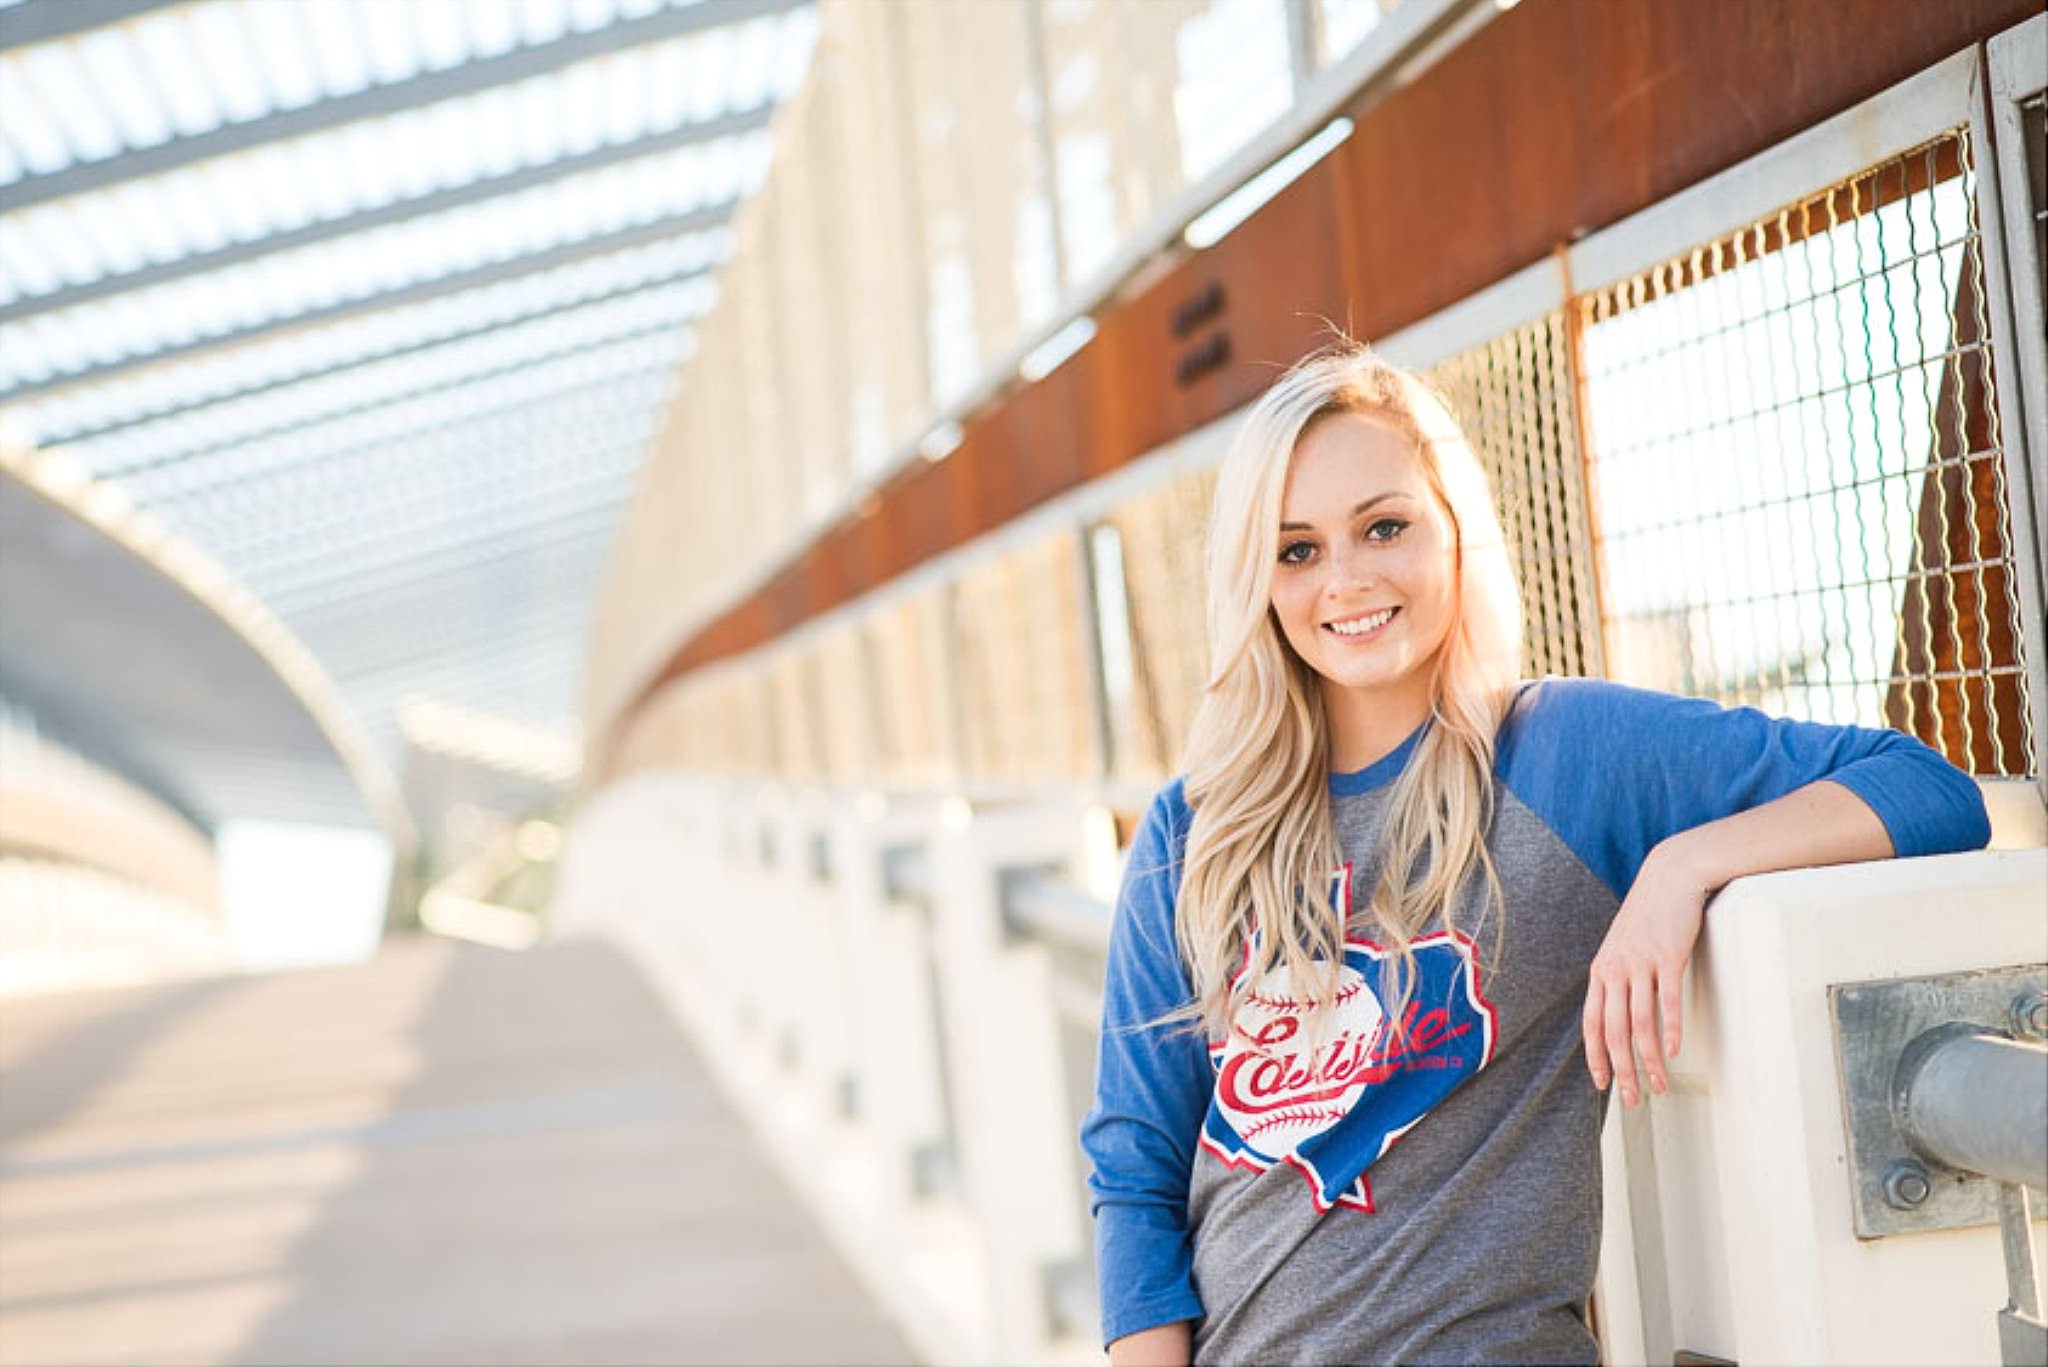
x=1431, y=571
x=1293, y=601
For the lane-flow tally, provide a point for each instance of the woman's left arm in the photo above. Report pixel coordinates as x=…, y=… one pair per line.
x=1638, y=976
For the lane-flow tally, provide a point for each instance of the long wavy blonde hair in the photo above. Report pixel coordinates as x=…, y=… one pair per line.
x=1262, y=849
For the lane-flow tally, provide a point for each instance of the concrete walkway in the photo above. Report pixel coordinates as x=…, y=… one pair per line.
x=448, y=1154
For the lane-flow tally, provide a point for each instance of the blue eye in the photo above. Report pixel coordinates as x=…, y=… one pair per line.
x=1386, y=529
x=1297, y=552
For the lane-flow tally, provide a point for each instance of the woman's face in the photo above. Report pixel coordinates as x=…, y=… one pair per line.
x=1367, y=570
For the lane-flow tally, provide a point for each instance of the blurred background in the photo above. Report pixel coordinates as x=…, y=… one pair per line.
x=591, y=589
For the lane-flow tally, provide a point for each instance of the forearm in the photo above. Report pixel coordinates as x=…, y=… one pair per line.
x=1167, y=1345
x=1822, y=823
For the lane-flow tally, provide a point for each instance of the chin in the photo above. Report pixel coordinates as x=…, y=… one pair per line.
x=1363, y=677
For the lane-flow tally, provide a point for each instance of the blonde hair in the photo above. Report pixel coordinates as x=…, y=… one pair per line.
x=1263, y=849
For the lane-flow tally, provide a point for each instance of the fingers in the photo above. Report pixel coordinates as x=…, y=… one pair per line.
x=1628, y=1012
x=1642, y=1020
x=1590, y=1023
x=1616, y=1027
x=1671, y=995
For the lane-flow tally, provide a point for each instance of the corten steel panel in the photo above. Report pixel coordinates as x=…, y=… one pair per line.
x=1283, y=283
x=912, y=518
x=1032, y=446
x=1136, y=404
x=868, y=554
x=960, y=478
x=815, y=575
x=1551, y=121
x=1558, y=119
x=1289, y=250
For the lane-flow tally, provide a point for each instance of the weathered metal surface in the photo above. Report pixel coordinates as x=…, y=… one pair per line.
x=1874, y=1025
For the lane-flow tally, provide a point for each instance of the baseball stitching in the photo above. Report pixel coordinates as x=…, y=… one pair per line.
x=1305, y=1115
x=1344, y=994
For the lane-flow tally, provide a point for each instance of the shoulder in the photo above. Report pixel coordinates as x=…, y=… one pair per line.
x=1162, y=833
x=1552, y=718
x=1143, y=925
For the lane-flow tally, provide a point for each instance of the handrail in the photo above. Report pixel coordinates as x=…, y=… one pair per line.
x=1049, y=908
x=1977, y=1102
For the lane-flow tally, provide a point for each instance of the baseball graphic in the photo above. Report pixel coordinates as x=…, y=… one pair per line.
x=1272, y=1090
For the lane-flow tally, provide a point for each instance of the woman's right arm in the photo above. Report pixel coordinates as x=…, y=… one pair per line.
x=1168, y=1345
x=1152, y=1085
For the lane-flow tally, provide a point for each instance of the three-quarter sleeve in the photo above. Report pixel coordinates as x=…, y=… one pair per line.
x=1615, y=770
x=1152, y=1084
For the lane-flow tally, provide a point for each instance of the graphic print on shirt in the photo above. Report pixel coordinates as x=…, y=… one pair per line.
x=1333, y=1113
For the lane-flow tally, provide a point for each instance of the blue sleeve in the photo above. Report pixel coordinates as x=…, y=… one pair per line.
x=1152, y=1085
x=1614, y=770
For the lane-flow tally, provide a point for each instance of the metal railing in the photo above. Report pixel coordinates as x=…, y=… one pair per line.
x=1977, y=1103
x=1950, y=1128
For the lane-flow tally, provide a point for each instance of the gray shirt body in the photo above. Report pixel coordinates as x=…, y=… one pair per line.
x=1485, y=1228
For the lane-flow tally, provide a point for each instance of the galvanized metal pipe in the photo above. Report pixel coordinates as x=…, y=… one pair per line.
x=1977, y=1102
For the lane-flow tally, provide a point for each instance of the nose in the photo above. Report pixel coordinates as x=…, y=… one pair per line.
x=1350, y=570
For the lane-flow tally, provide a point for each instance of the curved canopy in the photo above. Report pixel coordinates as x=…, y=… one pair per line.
x=377, y=304
x=120, y=661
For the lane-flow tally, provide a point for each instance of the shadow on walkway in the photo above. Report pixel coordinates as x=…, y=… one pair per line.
x=448, y=1154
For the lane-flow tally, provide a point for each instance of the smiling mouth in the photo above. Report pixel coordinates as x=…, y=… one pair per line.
x=1356, y=628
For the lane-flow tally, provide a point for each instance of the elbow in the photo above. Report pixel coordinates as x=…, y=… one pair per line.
x=1974, y=817
x=1966, y=820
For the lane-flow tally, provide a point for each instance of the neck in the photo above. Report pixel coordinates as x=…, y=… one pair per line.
x=1368, y=725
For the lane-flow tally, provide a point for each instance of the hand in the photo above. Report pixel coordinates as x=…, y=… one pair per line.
x=1638, y=976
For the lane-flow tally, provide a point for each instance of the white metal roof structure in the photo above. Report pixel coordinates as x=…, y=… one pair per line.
x=377, y=303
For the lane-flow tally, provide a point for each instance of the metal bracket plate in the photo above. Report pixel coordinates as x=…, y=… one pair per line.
x=1873, y=1022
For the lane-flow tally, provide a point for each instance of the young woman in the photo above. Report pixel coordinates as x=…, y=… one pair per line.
x=1381, y=952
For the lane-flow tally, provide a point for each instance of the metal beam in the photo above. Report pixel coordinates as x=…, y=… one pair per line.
x=556, y=658
x=311, y=615
x=565, y=619
x=294, y=591
x=660, y=229
x=288, y=558
x=376, y=101
x=45, y=20
x=469, y=420
x=235, y=254
x=439, y=608
x=291, y=425
x=68, y=435
x=281, y=577
x=470, y=630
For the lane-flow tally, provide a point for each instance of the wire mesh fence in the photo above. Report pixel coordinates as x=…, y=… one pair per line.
x=1798, y=470
x=1513, y=398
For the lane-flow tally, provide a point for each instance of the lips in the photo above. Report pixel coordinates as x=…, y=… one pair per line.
x=1362, y=625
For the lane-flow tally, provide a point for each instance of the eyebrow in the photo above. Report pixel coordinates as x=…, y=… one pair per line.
x=1376, y=498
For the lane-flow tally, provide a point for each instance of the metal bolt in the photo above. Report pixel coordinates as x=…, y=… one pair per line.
x=2029, y=1015
x=1907, y=1185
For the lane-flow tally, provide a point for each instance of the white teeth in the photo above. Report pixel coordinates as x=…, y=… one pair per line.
x=1362, y=625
